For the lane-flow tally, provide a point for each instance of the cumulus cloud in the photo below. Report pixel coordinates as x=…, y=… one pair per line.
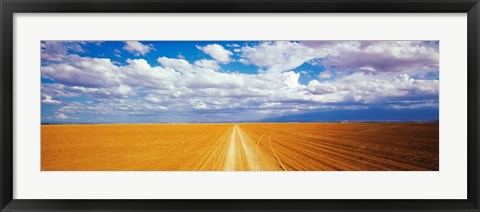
x=217, y=52
x=137, y=48
x=208, y=64
x=63, y=116
x=361, y=87
x=57, y=90
x=379, y=56
x=49, y=100
x=58, y=50
x=83, y=71
x=279, y=56
x=325, y=75
x=233, y=45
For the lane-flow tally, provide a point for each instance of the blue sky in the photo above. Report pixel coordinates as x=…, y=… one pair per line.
x=233, y=81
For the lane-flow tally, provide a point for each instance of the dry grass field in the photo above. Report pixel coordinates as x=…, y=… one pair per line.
x=241, y=147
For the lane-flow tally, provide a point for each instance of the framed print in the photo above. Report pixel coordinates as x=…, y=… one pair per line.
x=219, y=106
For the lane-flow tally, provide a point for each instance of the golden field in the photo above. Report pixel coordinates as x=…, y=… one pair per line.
x=241, y=147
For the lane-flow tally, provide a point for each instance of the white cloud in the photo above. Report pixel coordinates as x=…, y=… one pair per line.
x=217, y=52
x=49, y=100
x=208, y=64
x=61, y=116
x=180, y=65
x=178, y=81
x=360, y=87
x=233, y=45
x=83, y=71
x=57, y=90
x=152, y=99
x=428, y=104
x=58, y=50
x=137, y=48
x=325, y=75
x=279, y=56
x=138, y=73
x=412, y=57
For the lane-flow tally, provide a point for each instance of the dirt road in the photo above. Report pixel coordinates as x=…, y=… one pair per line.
x=236, y=152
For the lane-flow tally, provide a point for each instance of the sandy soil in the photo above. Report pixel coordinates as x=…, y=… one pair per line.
x=241, y=147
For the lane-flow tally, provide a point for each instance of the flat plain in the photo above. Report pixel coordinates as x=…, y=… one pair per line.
x=241, y=147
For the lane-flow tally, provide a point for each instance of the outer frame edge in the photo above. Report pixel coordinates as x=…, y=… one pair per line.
x=6, y=181
x=6, y=164
x=473, y=105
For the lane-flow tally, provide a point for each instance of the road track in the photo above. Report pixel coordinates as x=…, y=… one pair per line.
x=241, y=154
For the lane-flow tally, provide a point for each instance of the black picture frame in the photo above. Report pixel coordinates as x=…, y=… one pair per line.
x=9, y=7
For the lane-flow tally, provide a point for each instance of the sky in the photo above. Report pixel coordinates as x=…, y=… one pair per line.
x=238, y=81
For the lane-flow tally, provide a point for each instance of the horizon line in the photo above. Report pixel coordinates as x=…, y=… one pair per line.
x=104, y=123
